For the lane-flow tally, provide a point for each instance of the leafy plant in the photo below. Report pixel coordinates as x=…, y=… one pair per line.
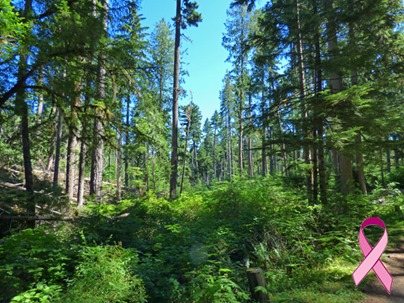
x=105, y=274
x=31, y=259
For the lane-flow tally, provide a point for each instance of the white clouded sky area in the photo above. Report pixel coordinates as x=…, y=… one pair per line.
x=205, y=59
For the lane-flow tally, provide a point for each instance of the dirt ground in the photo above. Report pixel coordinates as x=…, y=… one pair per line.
x=395, y=265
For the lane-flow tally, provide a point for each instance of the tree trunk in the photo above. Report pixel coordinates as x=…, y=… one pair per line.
x=346, y=174
x=97, y=159
x=127, y=140
x=229, y=145
x=153, y=168
x=146, y=167
x=256, y=277
x=40, y=96
x=264, y=128
x=82, y=168
x=388, y=160
x=71, y=147
x=119, y=167
x=249, y=141
x=52, y=147
x=319, y=124
x=272, y=160
x=240, y=138
x=214, y=154
x=22, y=110
x=307, y=151
x=382, y=168
x=176, y=91
x=185, y=152
x=82, y=156
x=360, y=164
x=58, y=143
x=396, y=152
x=336, y=84
x=358, y=139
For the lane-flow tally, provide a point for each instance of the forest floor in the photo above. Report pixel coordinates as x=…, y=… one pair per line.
x=393, y=258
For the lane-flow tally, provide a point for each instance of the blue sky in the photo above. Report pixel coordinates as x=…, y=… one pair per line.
x=206, y=55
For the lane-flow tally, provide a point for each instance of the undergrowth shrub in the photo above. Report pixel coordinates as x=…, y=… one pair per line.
x=197, y=247
x=105, y=274
x=41, y=293
x=210, y=284
x=397, y=176
x=31, y=262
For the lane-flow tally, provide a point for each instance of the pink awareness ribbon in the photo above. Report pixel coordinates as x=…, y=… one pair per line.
x=372, y=256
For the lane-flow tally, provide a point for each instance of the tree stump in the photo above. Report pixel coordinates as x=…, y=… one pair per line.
x=256, y=278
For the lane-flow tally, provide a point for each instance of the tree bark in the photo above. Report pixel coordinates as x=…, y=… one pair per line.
x=71, y=147
x=127, y=140
x=319, y=123
x=396, y=152
x=189, y=121
x=40, y=96
x=360, y=164
x=82, y=168
x=119, y=166
x=97, y=159
x=23, y=111
x=256, y=278
x=307, y=152
x=52, y=144
x=240, y=137
x=58, y=143
x=264, y=127
x=176, y=91
x=82, y=156
x=249, y=141
x=229, y=144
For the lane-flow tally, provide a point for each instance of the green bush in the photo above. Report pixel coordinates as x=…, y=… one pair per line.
x=212, y=285
x=41, y=293
x=30, y=259
x=397, y=176
x=105, y=275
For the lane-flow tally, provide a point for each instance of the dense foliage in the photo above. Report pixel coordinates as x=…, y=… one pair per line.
x=194, y=249
x=307, y=142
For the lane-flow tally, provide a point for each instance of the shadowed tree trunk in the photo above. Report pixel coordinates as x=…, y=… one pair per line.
x=176, y=91
x=97, y=159
x=264, y=127
x=249, y=141
x=82, y=167
x=119, y=167
x=319, y=124
x=22, y=110
x=307, y=152
x=126, y=165
x=58, y=143
x=189, y=121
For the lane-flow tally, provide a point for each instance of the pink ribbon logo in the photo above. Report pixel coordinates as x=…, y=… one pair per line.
x=372, y=256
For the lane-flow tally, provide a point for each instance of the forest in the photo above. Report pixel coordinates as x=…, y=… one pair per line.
x=111, y=191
